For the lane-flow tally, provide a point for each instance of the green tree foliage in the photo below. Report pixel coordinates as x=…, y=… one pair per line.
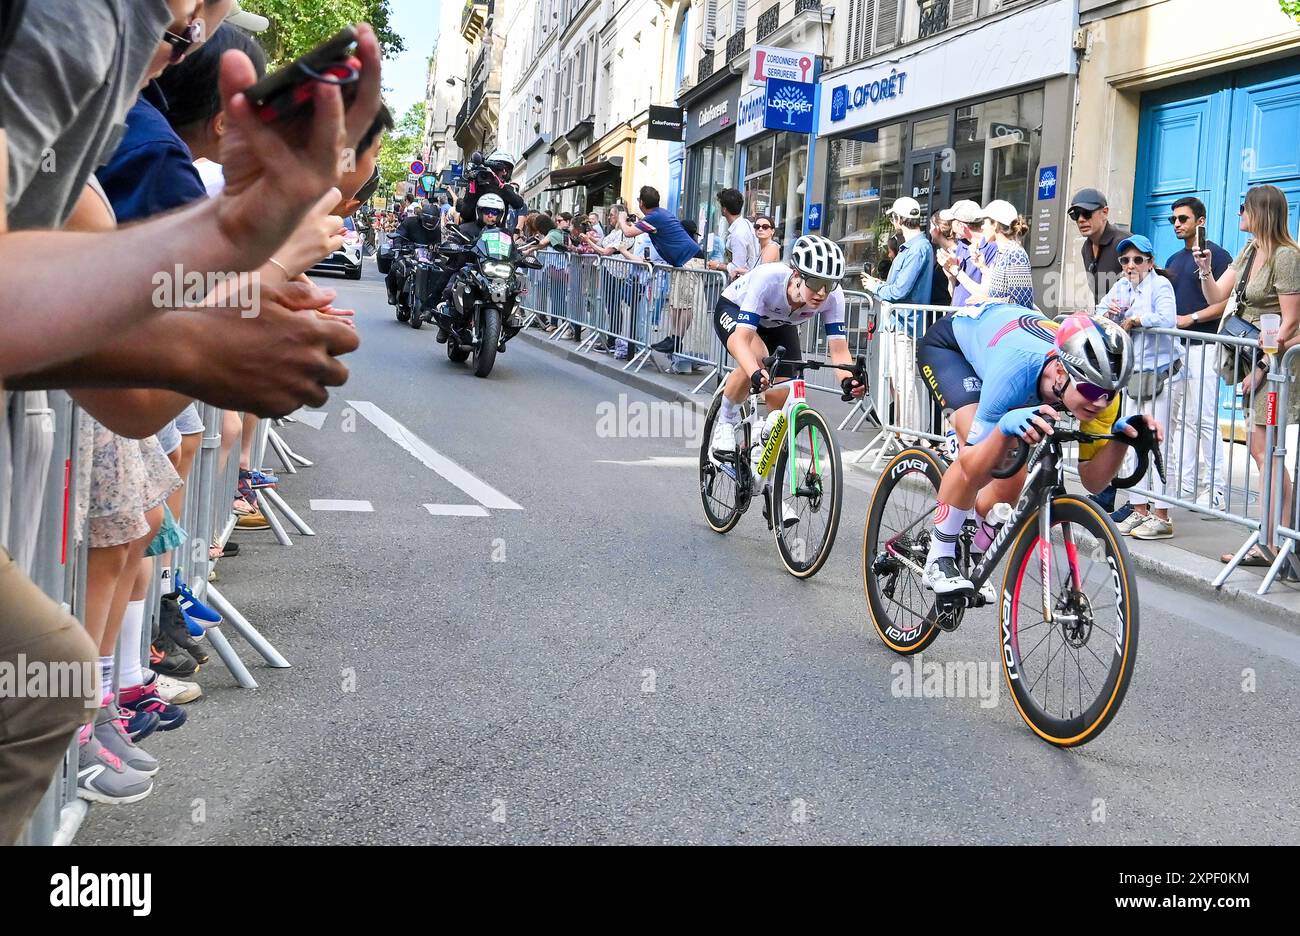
x=297, y=26
x=1291, y=8
x=401, y=146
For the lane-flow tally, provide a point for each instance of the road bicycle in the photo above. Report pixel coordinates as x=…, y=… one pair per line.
x=802, y=463
x=1067, y=611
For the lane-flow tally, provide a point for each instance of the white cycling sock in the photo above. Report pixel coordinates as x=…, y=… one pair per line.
x=105, y=675
x=131, y=673
x=730, y=412
x=948, y=521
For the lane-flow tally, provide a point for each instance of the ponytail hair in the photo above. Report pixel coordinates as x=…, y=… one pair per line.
x=1016, y=230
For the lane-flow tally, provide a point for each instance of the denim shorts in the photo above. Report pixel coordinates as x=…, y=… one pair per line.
x=187, y=422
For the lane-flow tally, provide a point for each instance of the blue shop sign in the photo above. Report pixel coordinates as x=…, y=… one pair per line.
x=789, y=105
x=1046, y=183
x=845, y=99
x=815, y=217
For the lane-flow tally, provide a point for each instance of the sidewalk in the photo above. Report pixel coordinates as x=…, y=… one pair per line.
x=1190, y=560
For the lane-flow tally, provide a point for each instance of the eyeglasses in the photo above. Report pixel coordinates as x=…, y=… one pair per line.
x=1242, y=209
x=817, y=284
x=1076, y=213
x=1094, y=394
x=182, y=42
x=1180, y=219
x=762, y=227
x=1132, y=261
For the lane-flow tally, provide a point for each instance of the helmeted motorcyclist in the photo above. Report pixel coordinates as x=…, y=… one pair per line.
x=489, y=213
x=422, y=230
x=492, y=177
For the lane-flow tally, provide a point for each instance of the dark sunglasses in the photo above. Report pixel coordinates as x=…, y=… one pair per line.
x=1180, y=219
x=1077, y=213
x=1132, y=261
x=817, y=284
x=183, y=42
x=1242, y=209
x=1092, y=393
x=762, y=227
x=367, y=191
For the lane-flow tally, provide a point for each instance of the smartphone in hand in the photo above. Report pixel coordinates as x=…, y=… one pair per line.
x=1200, y=237
x=287, y=95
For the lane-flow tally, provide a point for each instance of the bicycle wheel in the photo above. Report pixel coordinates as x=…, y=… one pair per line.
x=895, y=542
x=720, y=484
x=1068, y=677
x=810, y=501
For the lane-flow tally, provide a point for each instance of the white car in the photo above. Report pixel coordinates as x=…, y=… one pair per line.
x=346, y=260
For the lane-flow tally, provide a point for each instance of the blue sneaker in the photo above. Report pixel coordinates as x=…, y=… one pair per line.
x=258, y=479
x=1122, y=514
x=147, y=699
x=194, y=609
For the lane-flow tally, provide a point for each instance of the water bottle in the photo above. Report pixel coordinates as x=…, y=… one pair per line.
x=988, y=530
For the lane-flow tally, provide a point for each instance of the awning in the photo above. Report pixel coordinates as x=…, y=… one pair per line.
x=589, y=174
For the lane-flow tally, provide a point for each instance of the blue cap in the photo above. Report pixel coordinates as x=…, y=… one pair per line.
x=1140, y=241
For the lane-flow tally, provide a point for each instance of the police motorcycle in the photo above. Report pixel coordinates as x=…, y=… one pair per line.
x=483, y=311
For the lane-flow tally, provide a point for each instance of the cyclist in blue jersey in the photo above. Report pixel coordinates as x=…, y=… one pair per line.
x=1006, y=374
x=763, y=309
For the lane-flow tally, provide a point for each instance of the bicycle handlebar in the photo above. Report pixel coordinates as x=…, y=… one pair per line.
x=1145, y=447
x=858, y=370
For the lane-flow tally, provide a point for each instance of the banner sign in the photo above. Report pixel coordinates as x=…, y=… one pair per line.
x=768, y=62
x=789, y=106
x=666, y=123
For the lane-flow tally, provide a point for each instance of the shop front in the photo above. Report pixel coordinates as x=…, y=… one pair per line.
x=896, y=129
x=710, y=156
x=774, y=167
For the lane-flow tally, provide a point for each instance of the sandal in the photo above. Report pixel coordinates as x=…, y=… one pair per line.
x=1255, y=557
x=215, y=552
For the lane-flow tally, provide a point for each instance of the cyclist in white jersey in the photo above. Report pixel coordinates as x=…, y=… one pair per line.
x=763, y=309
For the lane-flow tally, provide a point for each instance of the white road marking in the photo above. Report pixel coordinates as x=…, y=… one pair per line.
x=313, y=418
x=456, y=510
x=440, y=464
x=350, y=506
x=657, y=461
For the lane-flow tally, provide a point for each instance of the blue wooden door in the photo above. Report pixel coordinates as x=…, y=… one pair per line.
x=1265, y=130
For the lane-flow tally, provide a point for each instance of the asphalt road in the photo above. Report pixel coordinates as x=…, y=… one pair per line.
x=598, y=666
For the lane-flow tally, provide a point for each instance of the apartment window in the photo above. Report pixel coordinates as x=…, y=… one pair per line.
x=580, y=92
x=860, y=26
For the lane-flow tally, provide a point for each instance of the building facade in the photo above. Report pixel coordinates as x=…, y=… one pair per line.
x=445, y=92
x=1185, y=98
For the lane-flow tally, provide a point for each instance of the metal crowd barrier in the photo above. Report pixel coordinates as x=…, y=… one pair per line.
x=57, y=563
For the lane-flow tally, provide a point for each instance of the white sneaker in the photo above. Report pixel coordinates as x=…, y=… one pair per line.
x=724, y=436
x=943, y=577
x=177, y=691
x=1153, y=529
x=1215, y=501
x=988, y=593
x=1132, y=522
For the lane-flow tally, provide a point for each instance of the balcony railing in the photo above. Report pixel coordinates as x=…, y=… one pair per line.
x=934, y=17
x=462, y=115
x=736, y=45
x=768, y=21
x=706, y=66
x=802, y=6
x=479, y=62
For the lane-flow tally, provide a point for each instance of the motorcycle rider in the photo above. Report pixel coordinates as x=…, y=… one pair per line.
x=491, y=177
x=489, y=213
x=422, y=230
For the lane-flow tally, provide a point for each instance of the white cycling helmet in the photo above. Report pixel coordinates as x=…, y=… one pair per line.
x=818, y=257
x=1095, y=351
x=491, y=202
x=500, y=159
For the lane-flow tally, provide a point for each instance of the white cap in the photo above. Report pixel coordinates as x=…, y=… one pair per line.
x=909, y=209
x=1003, y=212
x=249, y=21
x=965, y=211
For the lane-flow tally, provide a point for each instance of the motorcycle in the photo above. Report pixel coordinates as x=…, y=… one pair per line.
x=483, y=314
x=424, y=274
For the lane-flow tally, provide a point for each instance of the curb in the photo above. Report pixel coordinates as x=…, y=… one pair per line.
x=1175, y=567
